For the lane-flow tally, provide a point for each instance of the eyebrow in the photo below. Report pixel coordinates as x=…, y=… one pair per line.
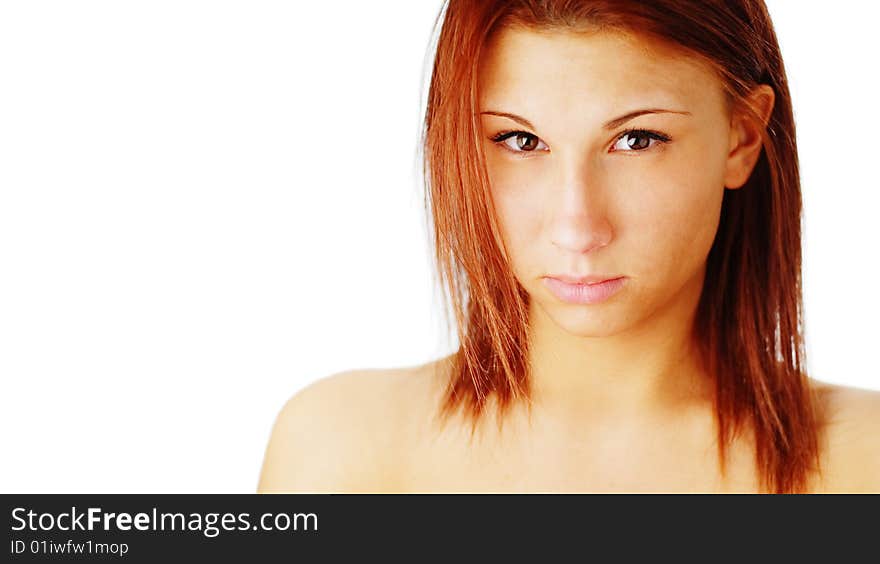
x=609, y=125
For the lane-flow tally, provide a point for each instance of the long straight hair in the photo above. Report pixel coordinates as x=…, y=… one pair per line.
x=749, y=323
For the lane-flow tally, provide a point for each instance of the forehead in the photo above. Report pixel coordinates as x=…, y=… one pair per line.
x=567, y=69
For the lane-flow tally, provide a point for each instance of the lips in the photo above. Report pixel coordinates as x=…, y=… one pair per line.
x=595, y=290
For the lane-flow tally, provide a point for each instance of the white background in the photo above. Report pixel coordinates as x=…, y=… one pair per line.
x=206, y=205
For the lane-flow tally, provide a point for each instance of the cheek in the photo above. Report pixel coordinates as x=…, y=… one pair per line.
x=676, y=222
x=519, y=212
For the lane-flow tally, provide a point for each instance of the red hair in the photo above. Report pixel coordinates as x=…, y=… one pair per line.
x=749, y=324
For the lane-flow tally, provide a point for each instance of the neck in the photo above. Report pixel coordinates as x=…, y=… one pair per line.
x=649, y=368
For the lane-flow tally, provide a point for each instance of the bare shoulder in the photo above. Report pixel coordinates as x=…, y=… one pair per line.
x=851, y=418
x=342, y=433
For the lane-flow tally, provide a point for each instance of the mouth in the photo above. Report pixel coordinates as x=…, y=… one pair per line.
x=584, y=289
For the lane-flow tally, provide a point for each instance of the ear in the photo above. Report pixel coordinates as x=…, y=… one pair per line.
x=745, y=136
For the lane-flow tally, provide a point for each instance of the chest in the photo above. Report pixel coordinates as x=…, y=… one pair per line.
x=624, y=460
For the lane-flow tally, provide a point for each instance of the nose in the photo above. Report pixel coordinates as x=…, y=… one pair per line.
x=580, y=222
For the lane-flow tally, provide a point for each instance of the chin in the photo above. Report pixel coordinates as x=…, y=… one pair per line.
x=588, y=321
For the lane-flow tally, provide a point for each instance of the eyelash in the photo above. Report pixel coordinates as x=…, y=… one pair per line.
x=658, y=136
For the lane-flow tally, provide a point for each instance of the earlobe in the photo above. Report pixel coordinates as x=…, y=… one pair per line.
x=746, y=140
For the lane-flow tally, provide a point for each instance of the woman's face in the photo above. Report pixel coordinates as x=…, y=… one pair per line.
x=576, y=196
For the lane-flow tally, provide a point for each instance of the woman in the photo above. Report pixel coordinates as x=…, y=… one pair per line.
x=616, y=208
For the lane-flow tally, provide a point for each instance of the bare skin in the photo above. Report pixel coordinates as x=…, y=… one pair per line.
x=619, y=403
x=375, y=431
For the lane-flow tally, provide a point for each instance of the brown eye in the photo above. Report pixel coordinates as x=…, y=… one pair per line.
x=526, y=142
x=522, y=142
x=637, y=140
